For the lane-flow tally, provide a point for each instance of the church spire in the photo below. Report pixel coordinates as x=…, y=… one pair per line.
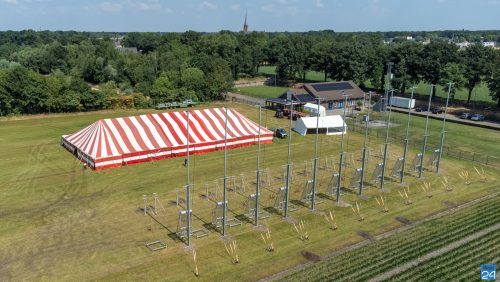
x=245, y=25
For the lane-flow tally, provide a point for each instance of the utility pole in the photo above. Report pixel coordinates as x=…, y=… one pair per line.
x=386, y=144
x=421, y=167
x=188, y=192
x=257, y=186
x=339, y=183
x=224, y=214
x=313, y=196
x=443, y=131
x=366, y=120
x=405, y=152
x=289, y=165
x=387, y=85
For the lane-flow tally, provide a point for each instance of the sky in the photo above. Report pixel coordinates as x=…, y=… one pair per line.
x=263, y=15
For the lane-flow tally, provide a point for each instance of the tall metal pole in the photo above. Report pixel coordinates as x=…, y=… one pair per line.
x=188, y=192
x=421, y=167
x=315, y=161
x=367, y=120
x=289, y=165
x=342, y=147
x=443, y=131
x=224, y=214
x=386, y=143
x=405, y=152
x=257, y=187
x=387, y=85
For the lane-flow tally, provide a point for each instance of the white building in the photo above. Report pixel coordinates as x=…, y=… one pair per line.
x=489, y=44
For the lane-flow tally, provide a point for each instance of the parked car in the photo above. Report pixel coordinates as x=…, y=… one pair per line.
x=420, y=109
x=437, y=111
x=280, y=133
x=465, y=116
x=477, y=117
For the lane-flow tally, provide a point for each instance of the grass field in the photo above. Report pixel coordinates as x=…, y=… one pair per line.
x=461, y=263
x=261, y=92
x=459, y=137
x=61, y=222
x=480, y=93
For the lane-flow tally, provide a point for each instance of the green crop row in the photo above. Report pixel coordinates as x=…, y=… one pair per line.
x=383, y=255
x=390, y=254
x=447, y=264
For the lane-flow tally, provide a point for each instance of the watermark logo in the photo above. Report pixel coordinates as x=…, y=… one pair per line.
x=488, y=272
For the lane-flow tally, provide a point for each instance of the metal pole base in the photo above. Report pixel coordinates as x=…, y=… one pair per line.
x=290, y=220
x=384, y=190
x=365, y=197
x=260, y=228
x=342, y=204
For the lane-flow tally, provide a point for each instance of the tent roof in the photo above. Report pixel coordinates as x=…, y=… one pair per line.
x=112, y=139
x=314, y=106
x=324, y=122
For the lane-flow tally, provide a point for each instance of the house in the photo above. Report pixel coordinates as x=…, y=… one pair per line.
x=463, y=45
x=330, y=94
x=127, y=49
x=489, y=44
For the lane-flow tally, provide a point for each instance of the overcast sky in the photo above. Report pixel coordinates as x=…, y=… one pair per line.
x=263, y=15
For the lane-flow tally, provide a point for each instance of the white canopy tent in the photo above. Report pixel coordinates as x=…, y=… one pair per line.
x=313, y=109
x=331, y=125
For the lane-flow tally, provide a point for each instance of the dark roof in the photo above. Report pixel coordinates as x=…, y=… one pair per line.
x=332, y=91
x=298, y=95
x=328, y=91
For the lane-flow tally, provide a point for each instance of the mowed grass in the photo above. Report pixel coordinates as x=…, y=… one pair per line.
x=261, y=92
x=458, y=137
x=59, y=221
x=480, y=92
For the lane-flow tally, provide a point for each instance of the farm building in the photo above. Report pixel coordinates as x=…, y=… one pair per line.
x=122, y=141
x=330, y=125
x=329, y=92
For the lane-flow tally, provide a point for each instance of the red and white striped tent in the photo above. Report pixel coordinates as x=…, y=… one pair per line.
x=122, y=141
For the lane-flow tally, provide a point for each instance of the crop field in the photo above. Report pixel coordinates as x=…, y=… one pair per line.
x=368, y=262
x=59, y=221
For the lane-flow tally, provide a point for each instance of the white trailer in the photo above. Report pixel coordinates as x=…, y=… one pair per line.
x=402, y=102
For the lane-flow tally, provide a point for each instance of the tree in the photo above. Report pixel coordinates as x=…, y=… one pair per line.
x=453, y=73
x=474, y=61
x=494, y=78
x=193, y=79
x=321, y=59
x=406, y=61
x=163, y=90
x=434, y=58
x=350, y=62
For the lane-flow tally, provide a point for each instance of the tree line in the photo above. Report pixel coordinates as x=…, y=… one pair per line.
x=77, y=71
